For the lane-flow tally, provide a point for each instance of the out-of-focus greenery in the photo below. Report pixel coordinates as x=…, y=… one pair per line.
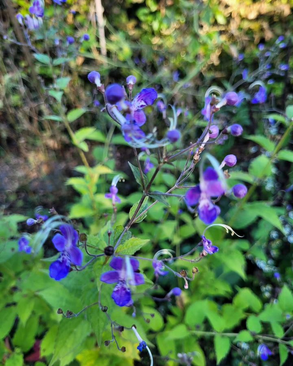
x=62, y=151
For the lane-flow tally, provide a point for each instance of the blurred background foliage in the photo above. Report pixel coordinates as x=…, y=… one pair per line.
x=181, y=48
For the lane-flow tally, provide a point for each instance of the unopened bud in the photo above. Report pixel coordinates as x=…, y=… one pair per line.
x=59, y=311
x=104, y=309
x=123, y=349
x=107, y=343
x=69, y=313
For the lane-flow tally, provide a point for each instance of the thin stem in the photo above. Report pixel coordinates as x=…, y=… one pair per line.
x=140, y=169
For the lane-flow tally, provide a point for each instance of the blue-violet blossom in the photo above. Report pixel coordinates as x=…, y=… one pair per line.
x=23, y=245
x=264, y=352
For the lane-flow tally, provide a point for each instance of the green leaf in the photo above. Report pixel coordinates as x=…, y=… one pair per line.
x=47, y=344
x=137, y=176
x=260, y=167
x=24, y=308
x=277, y=117
x=247, y=299
x=7, y=318
x=286, y=155
x=60, y=61
x=97, y=136
x=131, y=246
x=262, y=141
x=277, y=329
x=244, y=336
x=159, y=196
x=180, y=331
x=286, y=299
x=195, y=313
x=84, y=133
x=56, y=94
x=71, y=333
x=245, y=217
x=266, y=212
x=44, y=59
x=62, y=83
x=25, y=336
x=238, y=175
x=79, y=210
x=74, y=114
x=222, y=347
x=142, y=208
x=253, y=324
x=289, y=111
x=272, y=312
x=232, y=315
x=15, y=359
x=53, y=118
x=217, y=322
x=283, y=351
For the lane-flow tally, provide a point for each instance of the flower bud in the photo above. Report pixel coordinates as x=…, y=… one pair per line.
x=70, y=40
x=131, y=80
x=235, y=130
x=176, y=291
x=230, y=160
x=109, y=250
x=173, y=135
x=94, y=77
x=31, y=222
x=86, y=37
x=231, y=98
x=214, y=132
x=239, y=190
x=114, y=93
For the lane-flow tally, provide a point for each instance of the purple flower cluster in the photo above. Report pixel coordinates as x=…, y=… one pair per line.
x=125, y=274
x=66, y=243
x=201, y=195
x=37, y=8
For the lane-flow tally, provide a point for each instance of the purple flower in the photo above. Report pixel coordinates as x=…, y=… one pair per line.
x=206, y=111
x=260, y=97
x=125, y=275
x=85, y=37
x=235, y=130
x=176, y=291
x=158, y=267
x=239, y=190
x=208, y=247
x=210, y=186
x=176, y=75
x=230, y=160
x=94, y=77
x=173, y=135
x=59, y=2
x=114, y=93
x=23, y=245
x=261, y=47
x=277, y=275
x=264, y=352
x=19, y=18
x=284, y=67
x=41, y=217
x=244, y=74
x=280, y=39
x=142, y=346
x=268, y=54
x=96, y=103
x=148, y=165
x=33, y=23
x=31, y=222
x=131, y=80
x=214, y=132
x=161, y=106
x=282, y=45
x=113, y=195
x=143, y=99
x=132, y=132
x=70, y=40
x=240, y=57
x=70, y=254
x=271, y=81
x=37, y=8
x=231, y=98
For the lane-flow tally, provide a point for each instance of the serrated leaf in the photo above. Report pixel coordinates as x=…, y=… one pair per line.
x=195, y=313
x=7, y=318
x=247, y=299
x=61, y=83
x=47, y=344
x=260, y=167
x=262, y=141
x=217, y=322
x=53, y=118
x=286, y=155
x=180, y=331
x=267, y=213
x=159, y=196
x=222, y=347
x=253, y=324
x=142, y=208
x=286, y=299
x=56, y=94
x=44, y=59
x=71, y=333
x=131, y=246
x=15, y=359
x=137, y=176
x=24, y=309
x=272, y=312
x=283, y=351
x=74, y=114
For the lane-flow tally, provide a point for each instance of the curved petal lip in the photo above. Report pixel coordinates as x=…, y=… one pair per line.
x=59, y=242
x=110, y=277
